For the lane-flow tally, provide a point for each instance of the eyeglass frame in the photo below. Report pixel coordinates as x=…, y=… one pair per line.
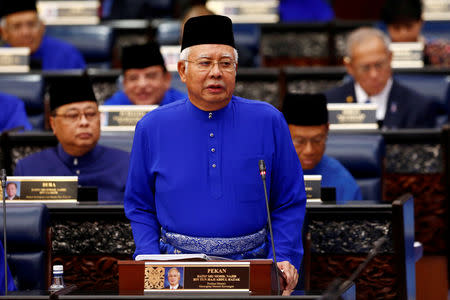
x=213, y=62
x=79, y=116
x=315, y=141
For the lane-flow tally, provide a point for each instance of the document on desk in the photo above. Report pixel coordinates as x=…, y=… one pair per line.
x=184, y=257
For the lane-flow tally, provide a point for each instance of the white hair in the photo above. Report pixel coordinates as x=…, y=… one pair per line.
x=184, y=55
x=361, y=35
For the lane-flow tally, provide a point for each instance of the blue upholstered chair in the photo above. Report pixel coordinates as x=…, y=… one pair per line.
x=362, y=155
x=29, y=88
x=28, y=245
x=95, y=42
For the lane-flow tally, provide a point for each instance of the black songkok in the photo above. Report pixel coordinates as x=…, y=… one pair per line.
x=141, y=56
x=305, y=109
x=212, y=29
x=13, y=6
x=69, y=89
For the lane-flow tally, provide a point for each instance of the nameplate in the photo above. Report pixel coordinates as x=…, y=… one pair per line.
x=313, y=185
x=41, y=189
x=171, y=55
x=14, y=59
x=230, y=276
x=69, y=12
x=122, y=117
x=250, y=11
x=352, y=116
x=407, y=55
x=436, y=10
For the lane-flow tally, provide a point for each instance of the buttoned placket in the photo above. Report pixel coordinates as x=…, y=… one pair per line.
x=213, y=157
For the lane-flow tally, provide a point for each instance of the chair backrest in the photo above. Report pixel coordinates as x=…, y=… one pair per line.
x=28, y=244
x=95, y=42
x=30, y=89
x=362, y=155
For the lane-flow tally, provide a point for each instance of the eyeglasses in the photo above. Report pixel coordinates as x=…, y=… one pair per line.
x=30, y=25
x=75, y=116
x=315, y=141
x=226, y=65
x=378, y=66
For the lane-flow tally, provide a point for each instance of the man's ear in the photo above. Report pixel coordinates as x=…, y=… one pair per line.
x=348, y=65
x=181, y=66
x=52, y=123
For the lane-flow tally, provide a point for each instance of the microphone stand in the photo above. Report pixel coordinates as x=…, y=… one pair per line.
x=3, y=178
x=262, y=171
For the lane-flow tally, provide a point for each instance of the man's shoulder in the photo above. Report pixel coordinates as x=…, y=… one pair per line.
x=407, y=94
x=40, y=157
x=114, y=152
x=55, y=44
x=341, y=92
x=9, y=100
x=118, y=98
x=255, y=106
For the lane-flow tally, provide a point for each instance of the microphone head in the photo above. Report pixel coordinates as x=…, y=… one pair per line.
x=262, y=165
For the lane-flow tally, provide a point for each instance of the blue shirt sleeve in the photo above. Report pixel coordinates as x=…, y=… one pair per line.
x=13, y=114
x=287, y=199
x=139, y=201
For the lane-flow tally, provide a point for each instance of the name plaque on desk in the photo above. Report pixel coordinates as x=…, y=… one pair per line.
x=229, y=276
x=122, y=117
x=69, y=12
x=41, y=189
x=352, y=116
x=249, y=11
x=14, y=59
x=313, y=184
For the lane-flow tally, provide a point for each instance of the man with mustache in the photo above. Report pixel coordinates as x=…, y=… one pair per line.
x=146, y=80
x=20, y=26
x=194, y=184
x=368, y=61
x=75, y=121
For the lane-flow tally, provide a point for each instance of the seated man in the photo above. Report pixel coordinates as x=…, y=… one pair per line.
x=12, y=114
x=21, y=27
x=368, y=61
x=75, y=121
x=307, y=117
x=145, y=78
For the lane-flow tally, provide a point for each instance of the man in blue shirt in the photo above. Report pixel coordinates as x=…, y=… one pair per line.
x=13, y=113
x=21, y=27
x=75, y=121
x=307, y=116
x=145, y=78
x=194, y=184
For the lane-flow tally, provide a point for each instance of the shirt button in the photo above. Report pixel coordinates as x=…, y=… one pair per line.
x=214, y=165
x=213, y=150
x=78, y=172
x=75, y=161
x=210, y=115
x=211, y=135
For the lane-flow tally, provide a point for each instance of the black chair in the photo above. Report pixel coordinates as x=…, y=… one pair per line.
x=28, y=238
x=362, y=155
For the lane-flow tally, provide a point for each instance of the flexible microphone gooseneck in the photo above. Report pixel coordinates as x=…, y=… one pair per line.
x=338, y=286
x=3, y=178
x=262, y=172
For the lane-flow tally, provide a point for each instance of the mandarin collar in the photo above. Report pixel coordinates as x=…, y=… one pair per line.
x=212, y=115
x=86, y=159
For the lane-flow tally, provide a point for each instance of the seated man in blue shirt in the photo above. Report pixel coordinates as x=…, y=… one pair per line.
x=194, y=184
x=75, y=121
x=21, y=27
x=307, y=117
x=145, y=78
x=12, y=114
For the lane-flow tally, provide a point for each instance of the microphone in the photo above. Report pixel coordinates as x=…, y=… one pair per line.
x=338, y=286
x=262, y=172
x=3, y=178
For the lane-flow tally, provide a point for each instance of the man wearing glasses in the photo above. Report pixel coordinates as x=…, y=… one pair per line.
x=146, y=80
x=307, y=117
x=20, y=26
x=75, y=121
x=194, y=184
x=368, y=61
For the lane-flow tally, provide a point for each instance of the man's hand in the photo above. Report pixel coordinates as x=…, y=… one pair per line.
x=290, y=275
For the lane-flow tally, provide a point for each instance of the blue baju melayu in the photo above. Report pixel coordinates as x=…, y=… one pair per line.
x=334, y=174
x=103, y=167
x=55, y=54
x=12, y=113
x=120, y=98
x=194, y=180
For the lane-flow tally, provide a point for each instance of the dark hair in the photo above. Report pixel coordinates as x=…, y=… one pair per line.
x=12, y=182
x=400, y=11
